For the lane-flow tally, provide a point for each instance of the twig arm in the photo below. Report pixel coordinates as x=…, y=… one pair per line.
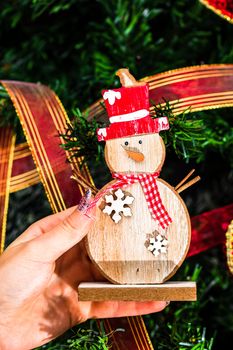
x=188, y=184
x=184, y=179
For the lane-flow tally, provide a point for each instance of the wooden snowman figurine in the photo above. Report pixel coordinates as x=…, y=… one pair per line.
x=141, y=234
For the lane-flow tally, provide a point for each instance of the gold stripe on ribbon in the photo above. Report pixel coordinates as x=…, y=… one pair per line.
x=25, y=180
x=135, y=336
x=21, y=150
x=142, y=326
x=139, y=333
x=7, y=143
x=24, y=174
x=229, y=246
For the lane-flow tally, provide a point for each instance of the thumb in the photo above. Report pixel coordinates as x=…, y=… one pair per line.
x=52, y=244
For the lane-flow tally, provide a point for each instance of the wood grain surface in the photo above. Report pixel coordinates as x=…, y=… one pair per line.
x=169, y=291
x=120, y=250
x=119, y=160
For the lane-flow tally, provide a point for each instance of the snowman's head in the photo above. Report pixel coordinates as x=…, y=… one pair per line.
x=135, y=154
x=133, y=144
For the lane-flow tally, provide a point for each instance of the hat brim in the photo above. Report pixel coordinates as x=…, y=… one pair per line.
x=146, y=125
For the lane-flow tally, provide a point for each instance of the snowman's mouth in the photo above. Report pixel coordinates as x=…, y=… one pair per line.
x=134, y=153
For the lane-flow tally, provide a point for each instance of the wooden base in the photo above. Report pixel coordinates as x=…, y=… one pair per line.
x=170, y=291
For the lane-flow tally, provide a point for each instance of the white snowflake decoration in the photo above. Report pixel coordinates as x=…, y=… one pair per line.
x=158, y=245
x=118, y=205
x=111, y=96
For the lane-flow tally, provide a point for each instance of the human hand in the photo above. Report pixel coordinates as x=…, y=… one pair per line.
x=40, y=272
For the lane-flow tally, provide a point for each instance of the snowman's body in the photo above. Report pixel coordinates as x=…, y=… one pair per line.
x=119, y=249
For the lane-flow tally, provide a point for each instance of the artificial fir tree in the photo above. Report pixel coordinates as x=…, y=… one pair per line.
x=76, y=47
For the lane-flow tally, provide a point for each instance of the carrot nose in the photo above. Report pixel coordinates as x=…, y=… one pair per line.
x=134, y=154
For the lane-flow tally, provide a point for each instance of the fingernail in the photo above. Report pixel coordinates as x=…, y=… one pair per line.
x=85, y=201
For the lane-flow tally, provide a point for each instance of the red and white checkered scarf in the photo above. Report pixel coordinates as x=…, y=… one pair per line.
x=151, y=192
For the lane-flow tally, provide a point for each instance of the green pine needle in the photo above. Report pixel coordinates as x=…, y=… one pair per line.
x=83, y=339
x=88, y=340
x=80, y=138
x=185, y=135
x=8, y=116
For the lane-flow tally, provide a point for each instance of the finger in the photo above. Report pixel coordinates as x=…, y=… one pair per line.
x=51, y=245
x=125, y=308
x=41, y=226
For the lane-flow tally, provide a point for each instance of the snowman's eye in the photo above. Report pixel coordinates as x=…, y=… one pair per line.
x=140, y=141
x=126, y=143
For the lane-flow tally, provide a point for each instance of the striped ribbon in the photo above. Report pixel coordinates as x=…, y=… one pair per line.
x=7, y=144
x=39, y=109
x=24, y=173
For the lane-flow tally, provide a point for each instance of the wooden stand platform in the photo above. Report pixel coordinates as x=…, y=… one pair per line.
x=170, y=291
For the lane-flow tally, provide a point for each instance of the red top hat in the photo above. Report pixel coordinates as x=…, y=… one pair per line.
x=128, y=111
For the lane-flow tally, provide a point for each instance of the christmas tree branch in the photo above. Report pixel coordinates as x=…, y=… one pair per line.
x=188, y=136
